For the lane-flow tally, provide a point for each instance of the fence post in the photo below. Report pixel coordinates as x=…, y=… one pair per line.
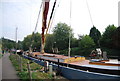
x=20, y=63
x=29, y=71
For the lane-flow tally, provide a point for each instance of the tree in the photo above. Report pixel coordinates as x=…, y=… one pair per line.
x=95, y=35
x=49, y=43
x=86, y=44
x=27, y=42
x=61, y=35
x=19, y=44
x=7, y=44
x=116, y=38
x=74, y=42
x=36, y=41
x=106, y=40
x=33, y=41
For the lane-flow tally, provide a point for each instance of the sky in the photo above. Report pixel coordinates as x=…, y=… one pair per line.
x=119, y=13
x=23, y=14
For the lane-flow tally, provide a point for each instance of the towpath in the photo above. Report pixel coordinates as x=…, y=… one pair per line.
x=7, y=71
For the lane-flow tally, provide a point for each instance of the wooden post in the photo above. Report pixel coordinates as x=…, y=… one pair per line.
x=45, y=66
x=58, y=64
x=58, y=69
x=29, y=70
x=18, y=60
x=21, y=64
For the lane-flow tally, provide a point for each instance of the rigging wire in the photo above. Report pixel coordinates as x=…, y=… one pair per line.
x=89, y=13
x=32, y=39
x=69, y=49
x=38, y=17
x=51, y=16
x=54, y=15
x=91, y=19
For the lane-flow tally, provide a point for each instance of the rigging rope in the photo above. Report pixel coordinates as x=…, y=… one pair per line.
x=89, y=12
x=32, y=39
x=38, y=17
x=53, y=16
x=69, y=49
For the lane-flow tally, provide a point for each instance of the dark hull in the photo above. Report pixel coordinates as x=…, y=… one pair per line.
x=91, y=73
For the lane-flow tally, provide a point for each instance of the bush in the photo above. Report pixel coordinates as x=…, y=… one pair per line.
x=23, y=75
x=111, y=52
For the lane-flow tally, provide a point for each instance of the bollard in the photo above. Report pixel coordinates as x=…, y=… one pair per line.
x=50, y=69
x=46, y=66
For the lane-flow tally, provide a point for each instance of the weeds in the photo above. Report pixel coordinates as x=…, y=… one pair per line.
x=35, y=69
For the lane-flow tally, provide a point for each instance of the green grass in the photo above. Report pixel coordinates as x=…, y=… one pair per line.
x=0, y=55
x=36, y=74
x=23, y=75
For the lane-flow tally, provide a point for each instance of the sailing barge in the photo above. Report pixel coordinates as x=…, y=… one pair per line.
x=73, y=67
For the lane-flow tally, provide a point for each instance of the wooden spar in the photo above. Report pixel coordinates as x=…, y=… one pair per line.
x=42, y=38
x=42, y=41
x=44, y=18
x=50, y=18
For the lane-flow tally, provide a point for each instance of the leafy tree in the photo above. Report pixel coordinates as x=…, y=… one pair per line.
x=27, y=42
x=95, y=35
x=49, y=43
x=36, y=41
x=33, y=41
x=61, y=35
x=106, y=40
x=116, y=38
x=74, y=42
x=86, y=44
x=7, y=44
x=19, y=44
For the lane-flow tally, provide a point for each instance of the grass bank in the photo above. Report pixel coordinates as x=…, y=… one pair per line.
x=0, y=55
x=35, y=69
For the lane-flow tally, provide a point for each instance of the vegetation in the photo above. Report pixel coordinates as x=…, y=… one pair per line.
x=49, y=45
x=33, y=41
x=35, y=68
x=0, y=55
x=86, y=43
x=107, y=37
x=95, y=35
x=7, y=43
x=61, y=35
x=108, y=41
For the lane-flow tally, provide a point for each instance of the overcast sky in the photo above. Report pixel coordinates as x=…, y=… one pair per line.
x=23, y=14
